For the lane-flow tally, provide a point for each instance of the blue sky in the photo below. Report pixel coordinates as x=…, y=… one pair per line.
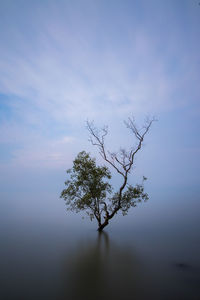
x=62, y=62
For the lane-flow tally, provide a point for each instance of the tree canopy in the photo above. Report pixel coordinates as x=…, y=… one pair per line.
x=88, y=186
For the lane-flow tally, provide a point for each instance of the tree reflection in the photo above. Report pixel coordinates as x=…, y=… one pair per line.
x=102, y=270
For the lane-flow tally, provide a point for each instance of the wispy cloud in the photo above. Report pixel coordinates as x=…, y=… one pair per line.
x=62, y=64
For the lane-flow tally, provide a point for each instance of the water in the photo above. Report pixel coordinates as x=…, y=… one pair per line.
x=153, y=253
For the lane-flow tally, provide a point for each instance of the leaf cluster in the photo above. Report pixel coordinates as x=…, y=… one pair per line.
x=87, y=187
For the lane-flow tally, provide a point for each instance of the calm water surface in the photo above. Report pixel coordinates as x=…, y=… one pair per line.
x=153, y=253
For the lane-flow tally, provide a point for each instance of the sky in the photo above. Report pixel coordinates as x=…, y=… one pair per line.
x=63, y=62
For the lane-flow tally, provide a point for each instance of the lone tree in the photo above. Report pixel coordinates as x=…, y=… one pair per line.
x=88, y=186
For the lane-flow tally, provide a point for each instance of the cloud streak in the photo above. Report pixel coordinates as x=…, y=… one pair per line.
x=63, y=63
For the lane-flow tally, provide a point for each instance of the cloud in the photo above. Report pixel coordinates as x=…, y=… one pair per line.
x=66, y=74
x=61, y=64
x=48, y=153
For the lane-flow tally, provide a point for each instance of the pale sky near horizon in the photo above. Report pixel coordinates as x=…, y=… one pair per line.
x=63, y=62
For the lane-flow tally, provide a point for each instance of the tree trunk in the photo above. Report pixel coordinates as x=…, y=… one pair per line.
x=108, y=217
x=101, y=227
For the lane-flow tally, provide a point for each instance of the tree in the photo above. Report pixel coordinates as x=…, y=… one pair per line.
x=88, y=187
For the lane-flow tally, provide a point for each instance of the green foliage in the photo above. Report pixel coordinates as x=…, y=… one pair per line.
x=132, y=196
x=87, y=189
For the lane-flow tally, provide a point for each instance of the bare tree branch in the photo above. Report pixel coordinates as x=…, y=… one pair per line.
x=122, y=161
x=97, y=139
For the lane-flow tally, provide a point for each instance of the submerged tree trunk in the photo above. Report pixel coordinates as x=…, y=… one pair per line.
x=101, y=227
x=107, y=218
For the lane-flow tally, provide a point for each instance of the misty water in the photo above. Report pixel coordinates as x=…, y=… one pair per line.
x=48, y=253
